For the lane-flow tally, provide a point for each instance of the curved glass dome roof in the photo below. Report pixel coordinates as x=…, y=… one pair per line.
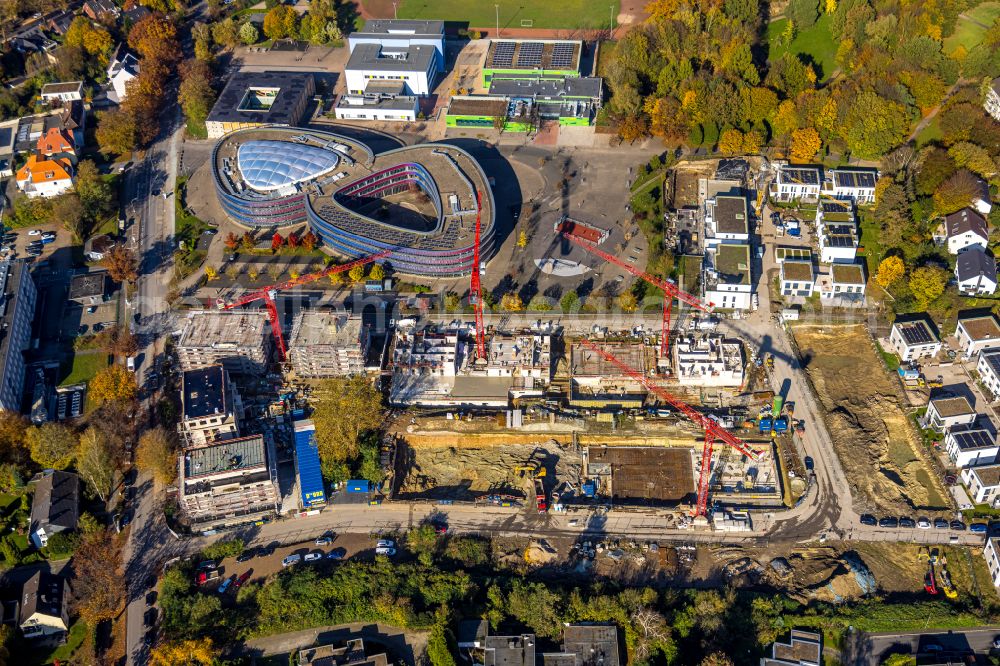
x=271, y=165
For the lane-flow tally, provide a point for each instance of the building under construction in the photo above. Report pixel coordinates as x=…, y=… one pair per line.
x=238, y=339
x=433, y=367
x=328, y=344
x=597, y=383
x=708, y=360
x=738, y=480
x=641, y=474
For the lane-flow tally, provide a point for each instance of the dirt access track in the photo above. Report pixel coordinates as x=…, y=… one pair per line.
x=878, y=446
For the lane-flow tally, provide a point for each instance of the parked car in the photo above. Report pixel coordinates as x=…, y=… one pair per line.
x=242, y=579
x=149, y=617
x=923, y=523
x=888, y=522
x=207, y=564
x=324, y=541
x=206, y=576
x=312, y=557
x=809, y=463
x=385, y=550
x=385, y=543
x=290, y=560
x=978, y=528
x=337, y=554
x=267, y=551
x=226, y=583
x=34, y=232
x=868, y=519
x=247, y=555
x=908, y=523
x=940, y=524
x=957, y=525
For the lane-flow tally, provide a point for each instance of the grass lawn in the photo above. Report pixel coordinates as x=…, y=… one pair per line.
x=985, y=13
x=567, y=14
x=870, y=242
x=605, y=57
x=64, y=653
x=85, y=366
x=931, y=133
x=970, y=31
x=816, y=43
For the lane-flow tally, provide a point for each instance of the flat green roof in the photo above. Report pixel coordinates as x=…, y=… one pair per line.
x=733, y=261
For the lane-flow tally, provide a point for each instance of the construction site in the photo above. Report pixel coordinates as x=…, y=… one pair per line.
x=877, y=443
x=608, y=430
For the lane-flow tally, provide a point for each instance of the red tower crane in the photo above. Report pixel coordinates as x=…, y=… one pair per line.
x=267, y=294
x=669, y=289
x=476, y=288
x=713, y=431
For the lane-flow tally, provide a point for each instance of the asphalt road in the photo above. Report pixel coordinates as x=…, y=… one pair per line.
x=872, y=649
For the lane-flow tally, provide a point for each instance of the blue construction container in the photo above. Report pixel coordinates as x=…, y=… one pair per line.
x=359, y=486
x=781, y=424
x=765, y=424
x=307, y=466
x=589, y=489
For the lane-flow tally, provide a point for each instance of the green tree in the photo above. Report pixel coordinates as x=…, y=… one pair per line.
x=196, y=94
x=960, y=190
x=94, y=191
x=346, y=410
x=440, y=640
x=281, y=22
x=356, y=274
x=874, y=124
x=117, y=133
x=376, y=272
x=220, y=550
x=226, y=33
x=927, y=283
x=452, y=301
x=249, y=34
x=535, y=606
x=51, y=445
x=569, y=301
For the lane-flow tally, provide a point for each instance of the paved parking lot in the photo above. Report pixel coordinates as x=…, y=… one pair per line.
x=356, y=545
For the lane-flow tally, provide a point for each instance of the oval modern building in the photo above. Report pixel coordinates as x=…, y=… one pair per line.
x=420, y=202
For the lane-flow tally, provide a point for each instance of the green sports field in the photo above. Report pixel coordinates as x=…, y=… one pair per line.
x=970, y=30
x=552, y=14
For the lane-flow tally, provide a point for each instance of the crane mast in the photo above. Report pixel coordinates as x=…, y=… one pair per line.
x=268, y=294
x=669, y=289
x=713, y=431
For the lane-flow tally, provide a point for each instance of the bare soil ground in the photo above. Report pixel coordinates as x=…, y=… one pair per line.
x=467, y=473
x=885, y=462
x=842, y=571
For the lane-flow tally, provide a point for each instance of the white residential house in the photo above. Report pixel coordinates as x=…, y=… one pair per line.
x=70, y=91
x=965, y=229
x=44, y=607
x=947, y=412
x=797, y=278
x=726, y=220
x=124, y=67
x=847, y=283
x=975, y=273
x=854, y=183
x=914, y=339
x=837, y=232
x=982, y=202
x=992, y=101
x=976, y=333
x=796, y=182
x=972, y=444
x=726, y=277
x=988, y=369
x=992, y=555
x=983, y=484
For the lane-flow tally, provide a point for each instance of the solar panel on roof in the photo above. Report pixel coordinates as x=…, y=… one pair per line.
x=973, y=439
x=503, y=54
x=915, y=334
x=530, y=54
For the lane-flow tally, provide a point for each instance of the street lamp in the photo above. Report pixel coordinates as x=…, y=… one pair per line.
x=394, y=11
x=497, y=7
x=611, y=25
